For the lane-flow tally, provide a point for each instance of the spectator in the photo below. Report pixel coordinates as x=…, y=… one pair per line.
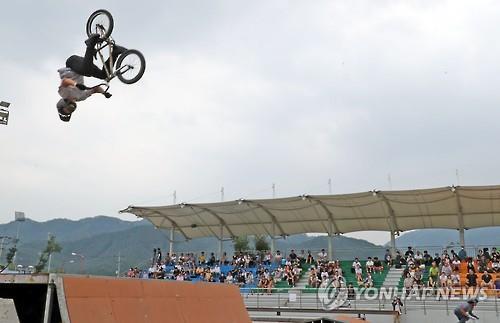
x=398, y=262
x=388, y=257
x=417, y=277
x=443, y=280
x=408, y=284
x=355, y=264
x=482, y=264
x=427, y=259
x=470, y=265
x=368, y=281
x=437, y=259
x=313, y=277
x=397, y=304
x=377, y=265
x=211, y=261
x=158, y=256
x=322, y=256
x=462, y=254
x=418, y=256
x=455, y=264
x=495, y=264
x=278, y=257
x=409, y=252
x=487, y=280
x=223, y=259
x=447, y=267
x=471, y=279
x=310, y=258
x=486, y=254
x=455, y=279
x=369, y=265
x=433, y=275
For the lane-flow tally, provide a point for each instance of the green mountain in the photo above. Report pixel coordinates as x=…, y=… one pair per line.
x=106, y=242
x=64, y=229
x=442, y=237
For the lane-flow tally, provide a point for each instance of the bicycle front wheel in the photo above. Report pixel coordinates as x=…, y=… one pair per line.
x=100, y=22
x=130, y=66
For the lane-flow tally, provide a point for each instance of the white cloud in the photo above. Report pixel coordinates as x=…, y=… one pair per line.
x=243, y=95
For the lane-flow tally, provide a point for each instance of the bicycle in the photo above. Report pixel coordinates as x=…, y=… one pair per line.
x=130, y=65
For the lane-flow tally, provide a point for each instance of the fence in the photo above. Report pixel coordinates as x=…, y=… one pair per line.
x=308, y=299
x=349, y=253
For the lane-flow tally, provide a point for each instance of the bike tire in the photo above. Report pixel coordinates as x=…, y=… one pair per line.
x=95, y=15
x=142, y=67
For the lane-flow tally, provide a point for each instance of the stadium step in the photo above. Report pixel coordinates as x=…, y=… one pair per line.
x=303, y=281
x=393, y=277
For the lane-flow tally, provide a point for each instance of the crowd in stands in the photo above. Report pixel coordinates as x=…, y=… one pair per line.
x=265, y=270
x=261, y=270
x=449, y=269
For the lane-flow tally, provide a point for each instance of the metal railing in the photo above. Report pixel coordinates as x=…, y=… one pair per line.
x=309, y=299
x=349, y=253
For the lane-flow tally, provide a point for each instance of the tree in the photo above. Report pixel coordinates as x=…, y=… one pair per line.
x=241, y=243
x=10, y=256
x=52, y=247
x=261, y=243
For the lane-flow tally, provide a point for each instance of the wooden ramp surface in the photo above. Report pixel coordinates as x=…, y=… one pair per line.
x=111, y=300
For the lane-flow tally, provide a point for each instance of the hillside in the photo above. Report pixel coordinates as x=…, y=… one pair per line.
x=66, y=230
x=102, y=239
x=442, y=237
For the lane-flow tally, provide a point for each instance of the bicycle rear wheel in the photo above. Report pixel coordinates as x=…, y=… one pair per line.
x=100, y=22
x=130, y=66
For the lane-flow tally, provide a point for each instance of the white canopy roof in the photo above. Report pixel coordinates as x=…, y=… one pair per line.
x=446, y=207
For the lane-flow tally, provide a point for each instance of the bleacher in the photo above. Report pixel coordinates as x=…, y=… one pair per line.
x=345, y=265
x=378, y=278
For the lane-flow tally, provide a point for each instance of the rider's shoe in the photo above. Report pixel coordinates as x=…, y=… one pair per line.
x=93, y=40
x=107, y=95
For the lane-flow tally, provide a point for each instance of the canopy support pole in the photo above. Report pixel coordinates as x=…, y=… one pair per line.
x=393, y=244
x=330, y=246
x=221, y=240
x=462, y=236
x=273, y=240
x=171, y=243
x=460, y=213
x=330, y=241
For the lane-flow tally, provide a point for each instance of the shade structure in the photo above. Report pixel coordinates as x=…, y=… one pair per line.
x=453, y=207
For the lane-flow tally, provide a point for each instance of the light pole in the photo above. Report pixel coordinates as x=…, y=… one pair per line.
x=82, y=260
x=18, y=217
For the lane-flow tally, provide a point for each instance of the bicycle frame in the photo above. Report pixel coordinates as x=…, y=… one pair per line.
x=109, y=68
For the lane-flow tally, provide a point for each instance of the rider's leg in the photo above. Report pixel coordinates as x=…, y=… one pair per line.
x=89, y=67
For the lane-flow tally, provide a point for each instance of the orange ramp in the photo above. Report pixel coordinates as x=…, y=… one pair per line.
x=114, y=300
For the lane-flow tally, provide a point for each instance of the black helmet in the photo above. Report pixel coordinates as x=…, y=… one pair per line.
x=65, y=108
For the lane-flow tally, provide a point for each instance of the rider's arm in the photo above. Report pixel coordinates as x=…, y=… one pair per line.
x=65, y=82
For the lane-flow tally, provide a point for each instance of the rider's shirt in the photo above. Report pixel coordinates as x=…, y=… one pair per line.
x=466, y=307
x=71, y=92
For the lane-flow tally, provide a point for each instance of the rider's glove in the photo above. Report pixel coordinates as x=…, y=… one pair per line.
x=81, y=87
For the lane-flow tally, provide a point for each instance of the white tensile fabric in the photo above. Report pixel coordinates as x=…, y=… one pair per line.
x=446, y=207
